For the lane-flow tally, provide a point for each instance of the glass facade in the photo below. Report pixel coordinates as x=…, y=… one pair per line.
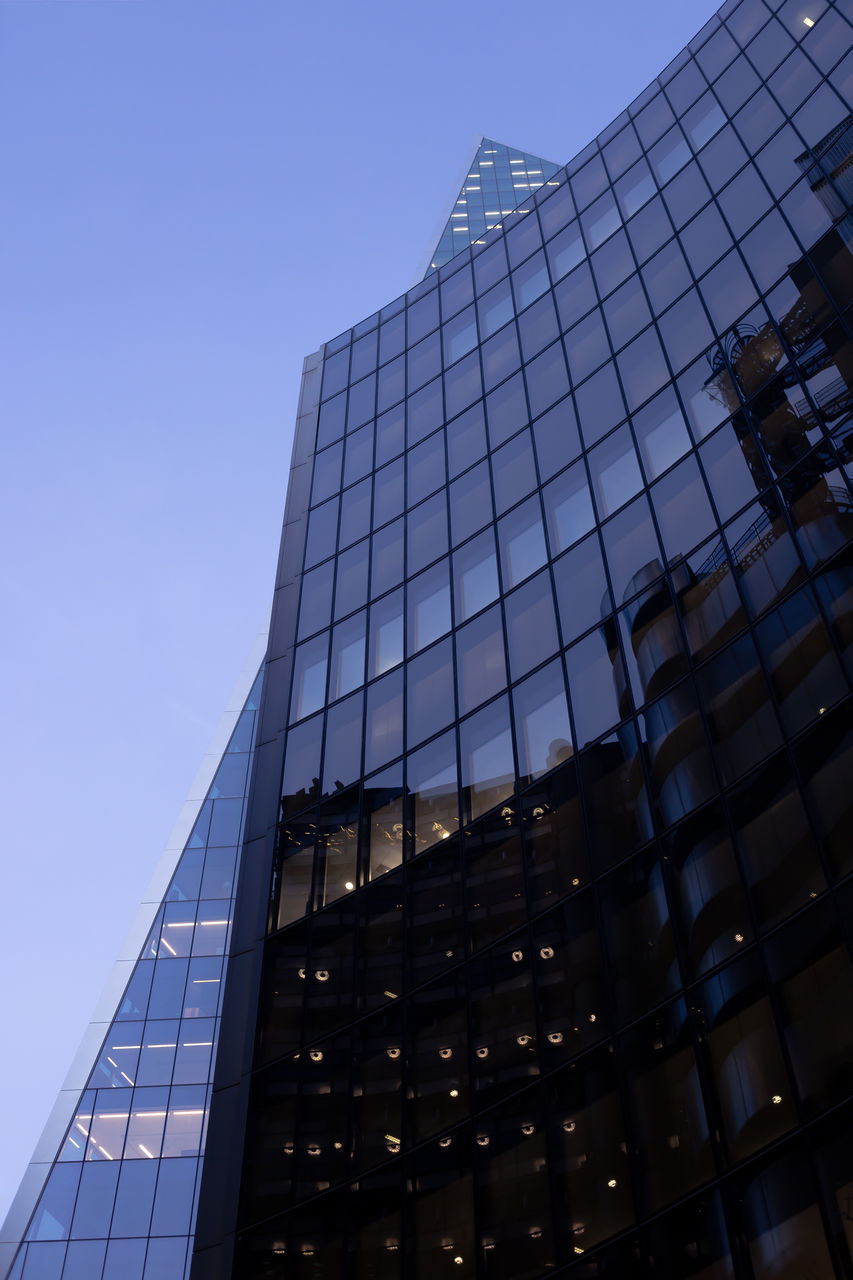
x=541, y=958
x=555, y=976
x=499, y=178
x=119, y=1201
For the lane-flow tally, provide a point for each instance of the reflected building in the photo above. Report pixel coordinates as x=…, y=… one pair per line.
x=541, y=953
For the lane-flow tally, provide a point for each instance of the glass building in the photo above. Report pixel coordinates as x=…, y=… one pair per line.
x=540, y=960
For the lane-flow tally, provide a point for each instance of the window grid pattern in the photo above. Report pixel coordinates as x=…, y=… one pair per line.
x=559, y=912
x=119, y=1203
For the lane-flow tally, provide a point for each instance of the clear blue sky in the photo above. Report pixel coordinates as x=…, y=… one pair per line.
x=194, y=195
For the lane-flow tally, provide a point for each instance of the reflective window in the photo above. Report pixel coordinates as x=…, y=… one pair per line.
x=429, y=699
x=487, y=768
x=348, y=654
x=522, y=542
x=530, y=625
x=475, y=576
x=428, y=606
x=542, y=729
x=480, y=662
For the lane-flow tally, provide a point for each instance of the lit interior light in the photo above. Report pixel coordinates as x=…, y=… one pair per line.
x=445, y=1054
x=391, y=1245
x=349, y=886
x=196, y=1044
x=555, y=1037
x=518, y=956
x=288, y=1148
x=300, y=973
x=338, y=1146
x=445, y=1142
x=201, y=981
x=207, y=923
x=516, y=162
x=535, y=1233
x=393, y=1052
x=454, y=1093
x=316, y=1055
x=569, y=1126
x=105, y=1153
x=611, y=1182
x=161, y=1046
x=145, y=1150
x=482, y=162
x=128, y=1079
x=391, y=995
x=482, y=1052
x=776, y=1099
x=523, y=1040
x=592, y=1017
x=168, y=947
x=578, y=1249
x=547, y=953
x=459, y=215
x=482, y=1139
x=74, y=1142
x=459, y=1260
x=808, y=22
x=552, y=184
x=821, y=711
x=112, y=1064
x=322, y=975
x=575, y=881
x=527, y=1129
x=738, y=937
x=313, y=1149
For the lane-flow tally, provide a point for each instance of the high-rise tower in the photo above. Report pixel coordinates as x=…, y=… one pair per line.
x=540, y=961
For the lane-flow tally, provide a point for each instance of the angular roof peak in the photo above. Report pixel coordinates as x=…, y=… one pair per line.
x=499, y=178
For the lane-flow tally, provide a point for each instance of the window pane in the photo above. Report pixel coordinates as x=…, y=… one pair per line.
x=429, y=606
x=531, y=625
x=522, y=542
x=429, y=697
x=386, y=633
x=541, y=723
x=384, y=736
x=348, y=651
x=480, y=661
x=475, y=576
x=488, y=773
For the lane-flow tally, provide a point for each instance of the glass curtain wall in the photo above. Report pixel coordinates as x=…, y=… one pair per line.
x=558, y=976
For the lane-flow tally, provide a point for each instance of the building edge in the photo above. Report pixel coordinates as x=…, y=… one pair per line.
x=25, y=1202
